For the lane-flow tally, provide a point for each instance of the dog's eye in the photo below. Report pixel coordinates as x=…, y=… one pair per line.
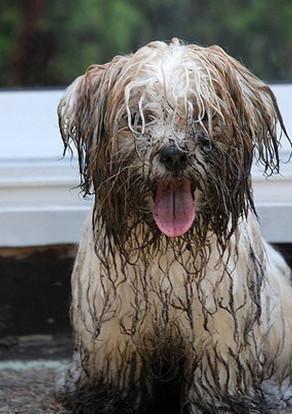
x=136, y=119
x=207, y=116
x=149, y=118
x=205, y=144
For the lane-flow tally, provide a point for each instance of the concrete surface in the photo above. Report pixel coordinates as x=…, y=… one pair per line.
x=28, y=387
x=28, y=367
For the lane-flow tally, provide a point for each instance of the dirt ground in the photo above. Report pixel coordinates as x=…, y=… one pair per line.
x=28, y=390
x=28, y=369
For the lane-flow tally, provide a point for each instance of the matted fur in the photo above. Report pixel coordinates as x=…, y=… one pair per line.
x=208, y=314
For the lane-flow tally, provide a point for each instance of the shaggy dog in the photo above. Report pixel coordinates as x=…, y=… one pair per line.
x=178, y=305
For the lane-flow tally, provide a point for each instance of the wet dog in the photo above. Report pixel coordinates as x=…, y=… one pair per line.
x=178, y=305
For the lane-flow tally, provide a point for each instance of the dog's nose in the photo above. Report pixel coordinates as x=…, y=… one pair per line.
x=173, y=158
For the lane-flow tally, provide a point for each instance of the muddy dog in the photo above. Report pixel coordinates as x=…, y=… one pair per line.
x=178, y=305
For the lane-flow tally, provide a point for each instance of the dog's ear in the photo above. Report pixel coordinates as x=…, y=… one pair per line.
x=82, y=116
x=256, y=106
x=262, y=118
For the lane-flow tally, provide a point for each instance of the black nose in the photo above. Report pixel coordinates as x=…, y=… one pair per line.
x=173, y=158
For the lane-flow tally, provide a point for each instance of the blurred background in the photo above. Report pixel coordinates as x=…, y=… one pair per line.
x=44, y=45
x=48, y=43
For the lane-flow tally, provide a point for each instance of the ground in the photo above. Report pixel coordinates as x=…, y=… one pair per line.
x=28, y=390
x=28, y=368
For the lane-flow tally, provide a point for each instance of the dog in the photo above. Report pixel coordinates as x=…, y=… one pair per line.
x=178, y=304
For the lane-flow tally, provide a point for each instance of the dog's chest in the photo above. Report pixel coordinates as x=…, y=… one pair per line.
x=178, y=292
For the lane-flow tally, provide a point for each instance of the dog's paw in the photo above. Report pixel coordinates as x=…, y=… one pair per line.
x=66, y=381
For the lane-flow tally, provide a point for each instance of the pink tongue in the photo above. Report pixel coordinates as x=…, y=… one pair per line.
x=174, y=210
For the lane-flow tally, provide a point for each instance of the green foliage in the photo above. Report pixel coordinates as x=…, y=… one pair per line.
x=51, y=42
x=9, y=18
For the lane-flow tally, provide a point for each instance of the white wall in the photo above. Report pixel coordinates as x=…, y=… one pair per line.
x=37, y=203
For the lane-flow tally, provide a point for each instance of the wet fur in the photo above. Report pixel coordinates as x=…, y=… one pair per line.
x=206, y=315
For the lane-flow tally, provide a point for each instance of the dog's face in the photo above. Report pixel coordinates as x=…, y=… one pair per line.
x=166, y=136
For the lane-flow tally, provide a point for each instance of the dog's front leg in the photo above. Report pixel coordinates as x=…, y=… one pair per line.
x=105, y=376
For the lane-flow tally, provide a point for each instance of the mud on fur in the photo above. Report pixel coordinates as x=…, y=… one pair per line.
x=178, y=305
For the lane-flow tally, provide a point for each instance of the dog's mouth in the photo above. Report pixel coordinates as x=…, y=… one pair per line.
x=174, y=209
